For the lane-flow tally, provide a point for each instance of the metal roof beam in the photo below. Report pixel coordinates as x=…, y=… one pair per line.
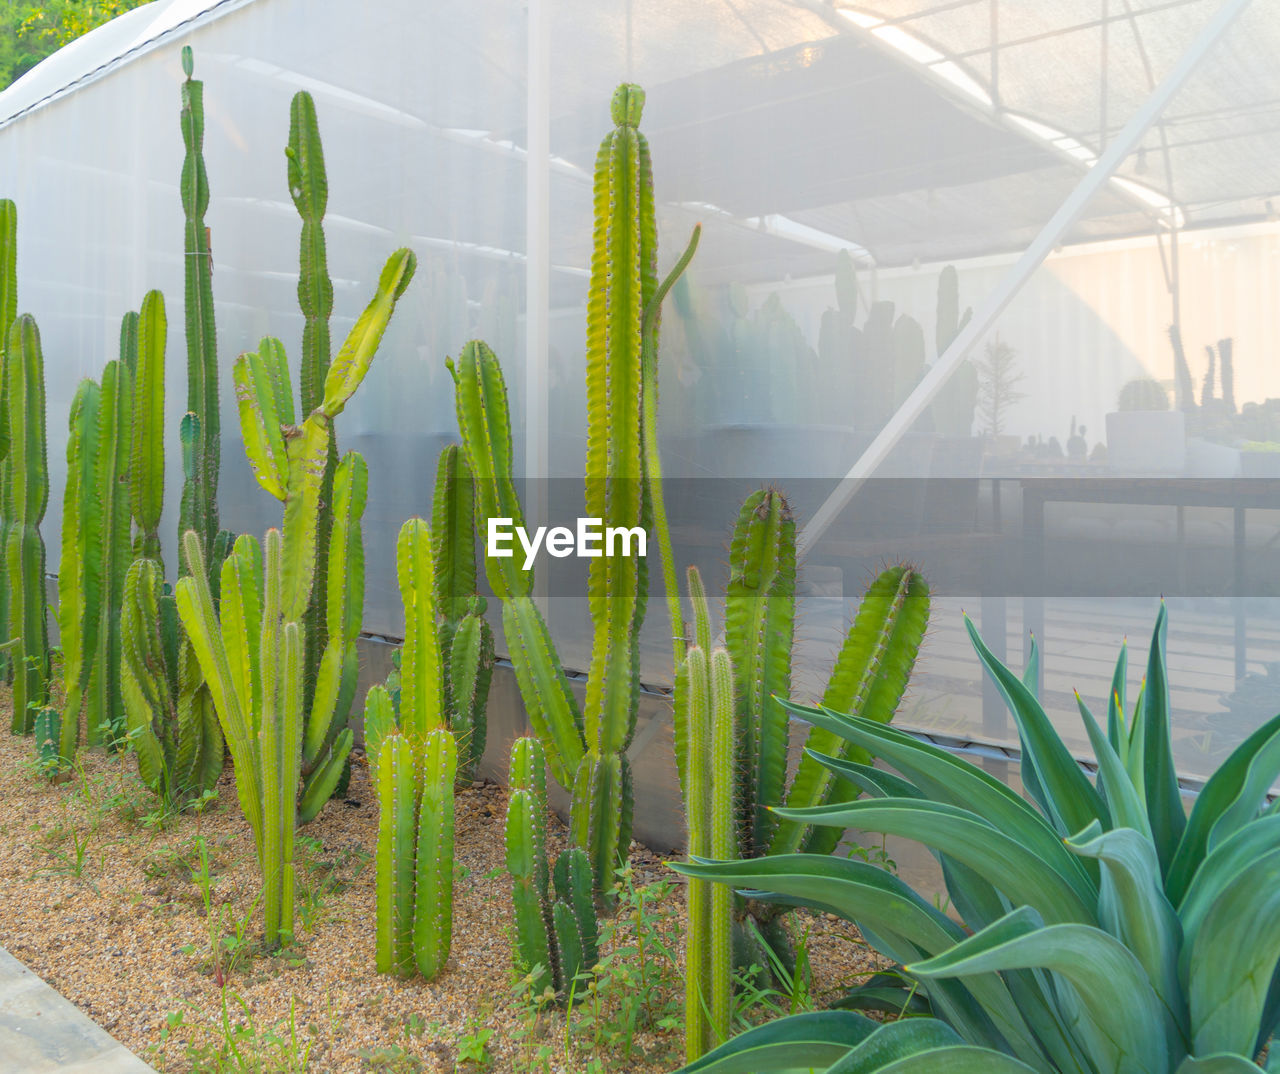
x=1050, y=236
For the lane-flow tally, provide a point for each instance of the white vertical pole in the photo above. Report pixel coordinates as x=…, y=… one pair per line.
x=1050, y=235
x=537, y=271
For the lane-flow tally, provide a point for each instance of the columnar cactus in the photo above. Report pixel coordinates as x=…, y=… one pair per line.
x=557, y=934
x=955, y=405
x=466, y=639
x=250, y=650
x=27, y=496
x=586, y=748
x=414, y=762
x=104, y=716
x=704, y=686
x=8, y=313
x=80, y=566
x=199, y=510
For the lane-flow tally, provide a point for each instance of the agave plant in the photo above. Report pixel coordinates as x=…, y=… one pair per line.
x=1102, y=929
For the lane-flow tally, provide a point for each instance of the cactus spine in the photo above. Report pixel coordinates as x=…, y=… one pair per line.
x=250, y=650
x=414, y=760
x=466, y=640
x=586, y=748
x=557, y=933
x=199, y=510
x=80, y=567
x=705, y=688
x=28, y=495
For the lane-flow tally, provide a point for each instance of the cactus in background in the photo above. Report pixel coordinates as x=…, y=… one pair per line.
x=104, y=714
x=414, y=762
x=466, y=639
x=1143, y=393
x=705, y=698
x=80, y=567
x=557, y=933
x=1186, y=395
x=250, y=650
x=1227, y=373
x=27, y=497
x=586, y=749
x=48, y=728
x=956, y=403
x=199, y=509
x=8, y=313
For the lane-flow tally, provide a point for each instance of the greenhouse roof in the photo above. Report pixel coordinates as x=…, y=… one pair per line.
x=906, y=130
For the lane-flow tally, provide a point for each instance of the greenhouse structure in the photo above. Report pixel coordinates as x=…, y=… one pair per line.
x=986, y=287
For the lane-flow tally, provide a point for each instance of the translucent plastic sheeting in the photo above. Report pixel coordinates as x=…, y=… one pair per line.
x=909, y=136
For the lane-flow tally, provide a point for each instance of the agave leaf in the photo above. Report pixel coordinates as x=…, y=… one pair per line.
x=1231, y=798
x=1065, y=793
x=1117, y=728
x=1233, y=958
x=1101, y=986
x=1133, y=907
x=802, y=1042
x=943, y=777
x=1219, y=1064
x=873, y=781
x=1164, y=799
x=1123, y=799
x=1001, y=859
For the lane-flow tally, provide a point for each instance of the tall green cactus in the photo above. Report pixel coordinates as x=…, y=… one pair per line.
x=414, y=761
x=557, y=933
x=705, y=695
x=199, y=509
x=251, y=649
x=28, y=495
x=8, y=313
x=466, y=639
x=104, y=715
x=586, y=748
x=80, y=566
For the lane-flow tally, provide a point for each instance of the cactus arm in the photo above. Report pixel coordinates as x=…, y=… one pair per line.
x=433, y=911
x=723, y=844
x=379, y=721
x=323, y=781
x=352, y=361
x=552, y=711
x=307, y=454
x=201, y=332
x=273, y=664
x=759, y=627
x=195, y=607
x=869, y=678
x=453, y=527
x=525, y=845
x=285, y=792
x=421, y=709
x=601, y=811
x=695, y=689
x=261, y=422
x=574, y=917
x=652, y=456
x=240, y=612
x=78, y=570
x=485, y=426
x=146, y=468
x=395, y=865
x=309, y=188
x=470, y=673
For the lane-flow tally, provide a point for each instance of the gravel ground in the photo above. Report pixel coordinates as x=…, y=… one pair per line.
x=100, y=900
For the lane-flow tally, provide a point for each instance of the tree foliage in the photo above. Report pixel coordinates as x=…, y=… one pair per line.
x=30, y=30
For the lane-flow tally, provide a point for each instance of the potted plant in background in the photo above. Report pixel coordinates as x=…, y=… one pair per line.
x=1143, y=434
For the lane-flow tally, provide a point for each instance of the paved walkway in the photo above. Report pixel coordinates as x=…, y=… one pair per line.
x=41, y=1031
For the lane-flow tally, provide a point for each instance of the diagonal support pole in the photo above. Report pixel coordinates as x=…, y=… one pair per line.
x=1050, y=235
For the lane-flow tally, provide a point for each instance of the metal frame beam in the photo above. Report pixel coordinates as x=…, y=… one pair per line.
x=1032, y=258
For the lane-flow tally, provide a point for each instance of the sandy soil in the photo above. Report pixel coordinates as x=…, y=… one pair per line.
x=107, y=906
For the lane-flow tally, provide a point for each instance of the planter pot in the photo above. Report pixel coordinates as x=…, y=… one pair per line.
x=1206, y=459
x=1147, y=441
x=1259, y=463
